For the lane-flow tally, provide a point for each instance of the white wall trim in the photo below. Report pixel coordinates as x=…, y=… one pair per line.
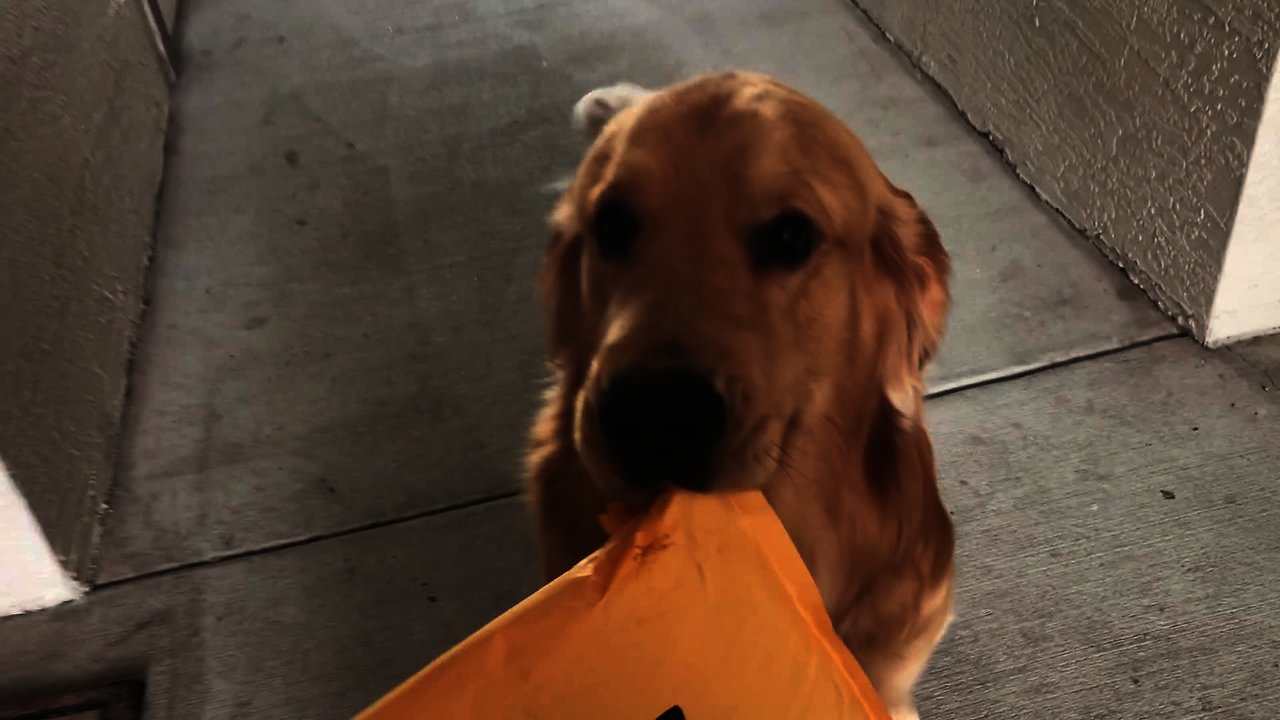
x=1247, y=300
x=31, y=578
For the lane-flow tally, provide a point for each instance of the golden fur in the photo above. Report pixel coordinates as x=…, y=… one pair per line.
x=821, y=367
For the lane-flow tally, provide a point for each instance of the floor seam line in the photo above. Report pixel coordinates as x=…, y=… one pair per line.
x=506, y=495
x=310, y=539
x=1056, y=364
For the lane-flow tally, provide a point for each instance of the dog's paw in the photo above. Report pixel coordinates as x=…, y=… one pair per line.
x=597, y=107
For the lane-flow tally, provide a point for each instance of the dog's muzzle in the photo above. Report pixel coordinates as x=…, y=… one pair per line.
x=662, y=425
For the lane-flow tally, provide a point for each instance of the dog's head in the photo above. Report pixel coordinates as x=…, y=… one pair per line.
x=728, y=265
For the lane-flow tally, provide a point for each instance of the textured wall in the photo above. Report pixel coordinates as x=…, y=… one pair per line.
x=1133, y=117
x=81, y=132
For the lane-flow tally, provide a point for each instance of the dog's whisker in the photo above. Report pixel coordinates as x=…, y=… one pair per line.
x=783, y=452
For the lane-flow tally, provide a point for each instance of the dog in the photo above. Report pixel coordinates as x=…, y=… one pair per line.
x=738, y=298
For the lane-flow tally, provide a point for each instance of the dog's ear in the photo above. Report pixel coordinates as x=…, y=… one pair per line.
x=907, y=246
x=560, y=290
x=598, y=107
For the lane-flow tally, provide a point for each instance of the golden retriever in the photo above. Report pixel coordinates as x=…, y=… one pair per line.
x=738, y=298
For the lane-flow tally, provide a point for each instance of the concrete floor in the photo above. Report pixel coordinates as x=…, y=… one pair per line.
x=318, y=492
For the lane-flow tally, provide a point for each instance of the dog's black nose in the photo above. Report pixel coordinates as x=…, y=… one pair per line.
x=663, y=425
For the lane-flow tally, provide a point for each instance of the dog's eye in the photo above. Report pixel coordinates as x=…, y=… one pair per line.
x=786, y=242
x=614, y=227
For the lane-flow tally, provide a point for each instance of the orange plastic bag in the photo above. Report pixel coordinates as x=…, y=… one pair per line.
x=701, y=609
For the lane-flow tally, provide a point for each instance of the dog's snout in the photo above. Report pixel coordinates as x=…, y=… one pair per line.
x=663, y=425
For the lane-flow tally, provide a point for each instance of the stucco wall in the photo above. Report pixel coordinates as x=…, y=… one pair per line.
x=83, y=105
x=1135, y=119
